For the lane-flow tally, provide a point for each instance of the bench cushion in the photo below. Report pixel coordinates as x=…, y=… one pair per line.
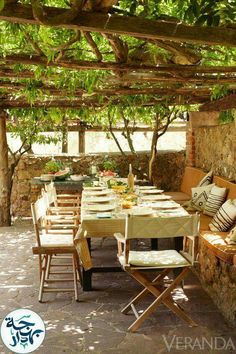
x=216, y=243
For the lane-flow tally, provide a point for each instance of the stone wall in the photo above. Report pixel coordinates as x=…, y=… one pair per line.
x=215, y=148
x=168, y=171
x=219, y=280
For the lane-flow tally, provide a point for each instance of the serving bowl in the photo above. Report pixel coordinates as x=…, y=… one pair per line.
x=77, y=177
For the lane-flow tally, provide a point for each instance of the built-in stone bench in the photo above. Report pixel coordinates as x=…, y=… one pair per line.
x=217, y=271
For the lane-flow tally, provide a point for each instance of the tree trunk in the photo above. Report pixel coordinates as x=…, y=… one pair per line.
x=64, y=136
x=5, y=217
x=153, y=155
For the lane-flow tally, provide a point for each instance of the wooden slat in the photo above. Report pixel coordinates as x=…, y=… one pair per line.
x=133, y=26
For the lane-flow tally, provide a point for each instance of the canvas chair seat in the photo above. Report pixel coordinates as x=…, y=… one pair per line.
x=155, y=259
x=56, y=240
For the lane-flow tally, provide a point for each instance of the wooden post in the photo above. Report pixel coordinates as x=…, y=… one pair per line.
x=64, y=135
x=5, y=217
x=81, y=141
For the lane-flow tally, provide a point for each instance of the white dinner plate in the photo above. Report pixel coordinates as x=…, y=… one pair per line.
x=156, y=197
x=99, y=200
x=146, y=187
x=141, y=212
x=165, y=205
x=98, y=193
x=93, y=188
x=100, y=207
x=152, y=191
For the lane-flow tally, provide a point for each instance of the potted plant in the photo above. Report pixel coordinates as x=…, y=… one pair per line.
x=53, y=166
x=109, y=167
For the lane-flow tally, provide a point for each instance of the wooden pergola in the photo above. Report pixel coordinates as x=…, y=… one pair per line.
x=130, y=75
x=180, y=75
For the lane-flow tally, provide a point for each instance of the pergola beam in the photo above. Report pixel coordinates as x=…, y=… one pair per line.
x=209, y=79
x=78, y=103
x=222, y=104
x=99, y=65
x=51, y=90
x=132, y=26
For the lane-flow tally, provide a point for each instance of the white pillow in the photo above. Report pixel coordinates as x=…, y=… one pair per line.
x=200, y=196
x=215, y=199
x=225, y=217
x=206, y=179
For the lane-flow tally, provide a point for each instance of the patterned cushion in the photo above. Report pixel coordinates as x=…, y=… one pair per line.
x=200, y=196
x=206, y=180
x=215, y=199
x=225, y=217
x=231, y=238
x=166, y=259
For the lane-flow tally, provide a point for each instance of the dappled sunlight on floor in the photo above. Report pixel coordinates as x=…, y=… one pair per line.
x=95, y=324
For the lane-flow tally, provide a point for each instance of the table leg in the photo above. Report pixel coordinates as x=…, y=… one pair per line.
x=154, y=244
x=87, y=280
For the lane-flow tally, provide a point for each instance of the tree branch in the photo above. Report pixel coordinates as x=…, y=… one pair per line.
x=40, y=13
x=113, y=134
x=93, y=45
x=33, y=44
x=119, y=47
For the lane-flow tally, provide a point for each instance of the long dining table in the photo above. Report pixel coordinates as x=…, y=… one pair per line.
x=102, y=215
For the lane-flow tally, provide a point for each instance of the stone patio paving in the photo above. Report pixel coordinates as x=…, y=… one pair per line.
x=95, y=324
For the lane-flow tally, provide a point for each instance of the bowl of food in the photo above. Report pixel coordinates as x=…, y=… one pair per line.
x=77, y=177
x=126, y=204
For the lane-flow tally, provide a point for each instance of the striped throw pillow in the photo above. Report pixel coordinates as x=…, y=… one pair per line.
x=225, y=217
x=206, y=179
x=200, y=196
x=215, y=199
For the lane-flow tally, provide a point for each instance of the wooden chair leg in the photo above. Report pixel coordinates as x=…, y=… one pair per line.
x=161, y=296
x=145, y=291
x=43, y=275
x=75, y=278
x=48, y=267
x=78, y=266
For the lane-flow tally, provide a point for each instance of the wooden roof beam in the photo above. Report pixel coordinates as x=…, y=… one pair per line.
x=78, y=103
x=132, y=26
x=222, y=104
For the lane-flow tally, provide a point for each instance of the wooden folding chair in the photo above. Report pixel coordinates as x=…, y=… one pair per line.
x=51, y=242
x=67, y=217
x=137, y=263
x=69, y=200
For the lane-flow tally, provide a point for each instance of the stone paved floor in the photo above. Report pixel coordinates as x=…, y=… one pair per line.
x=95, y=324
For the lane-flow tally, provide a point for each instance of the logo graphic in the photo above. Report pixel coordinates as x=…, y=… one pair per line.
x=22, y=331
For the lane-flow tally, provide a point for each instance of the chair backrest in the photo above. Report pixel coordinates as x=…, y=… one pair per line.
x=51, y=194
x=39, y=211
x=161, y=227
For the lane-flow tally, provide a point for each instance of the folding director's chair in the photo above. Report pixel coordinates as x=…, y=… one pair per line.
x=136, y=263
